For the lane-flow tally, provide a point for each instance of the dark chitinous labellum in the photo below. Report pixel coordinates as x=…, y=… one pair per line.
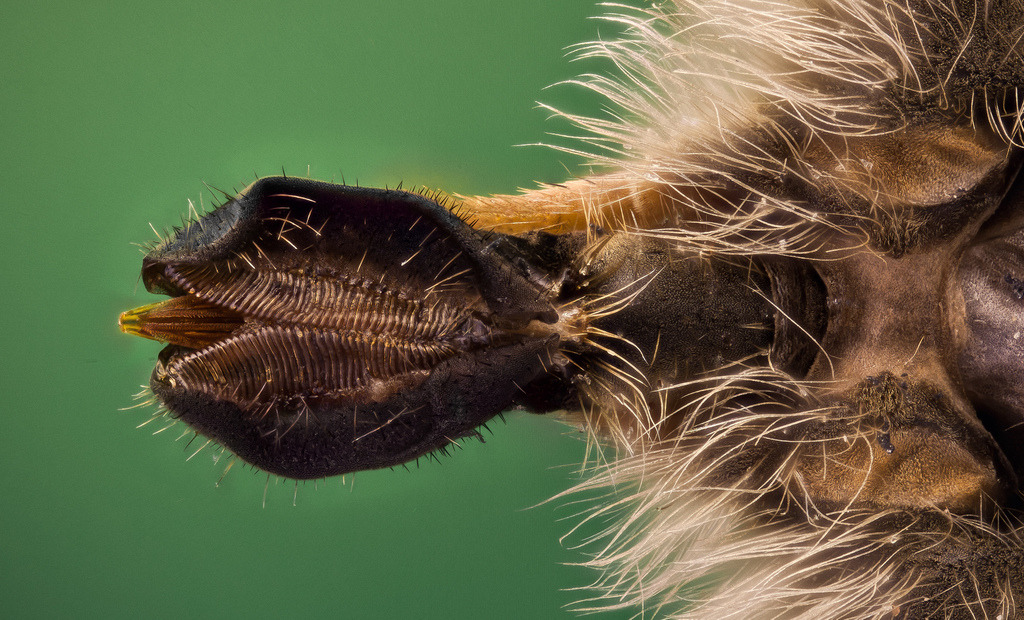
x=318, y=329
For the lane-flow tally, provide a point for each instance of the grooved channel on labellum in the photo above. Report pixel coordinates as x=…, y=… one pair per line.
x=271, y=363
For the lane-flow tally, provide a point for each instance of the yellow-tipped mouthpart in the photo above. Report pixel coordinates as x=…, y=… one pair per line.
x=186, y=321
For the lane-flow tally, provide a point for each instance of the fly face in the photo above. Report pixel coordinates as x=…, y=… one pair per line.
x=795, y=307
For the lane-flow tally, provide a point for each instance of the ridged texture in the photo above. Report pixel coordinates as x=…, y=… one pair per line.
x=308, y=337
x=317, y=301
x=294, y=362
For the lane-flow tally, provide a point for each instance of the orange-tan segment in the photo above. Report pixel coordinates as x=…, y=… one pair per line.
x=185, y=320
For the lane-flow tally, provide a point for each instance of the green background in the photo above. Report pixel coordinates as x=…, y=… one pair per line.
x=113, y=115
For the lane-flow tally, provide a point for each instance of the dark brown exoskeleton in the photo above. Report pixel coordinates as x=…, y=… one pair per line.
x=795, y=307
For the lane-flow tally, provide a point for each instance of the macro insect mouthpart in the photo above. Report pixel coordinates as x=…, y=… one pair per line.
x=317, y=329
x=792, y=300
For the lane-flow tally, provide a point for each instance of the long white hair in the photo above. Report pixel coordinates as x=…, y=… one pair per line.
x=714, y=93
